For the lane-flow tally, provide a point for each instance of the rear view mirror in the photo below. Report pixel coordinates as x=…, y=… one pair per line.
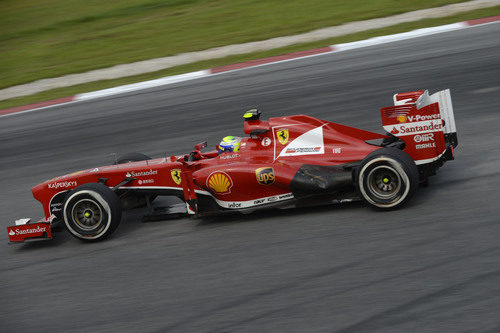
x=200, y=146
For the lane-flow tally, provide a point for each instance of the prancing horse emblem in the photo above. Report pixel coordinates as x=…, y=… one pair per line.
x=176, y=176
x=283, y=136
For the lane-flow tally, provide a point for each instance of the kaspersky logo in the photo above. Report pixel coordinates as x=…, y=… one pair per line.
x=65, y=184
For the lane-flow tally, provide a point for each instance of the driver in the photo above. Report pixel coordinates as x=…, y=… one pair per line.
x=229, y=144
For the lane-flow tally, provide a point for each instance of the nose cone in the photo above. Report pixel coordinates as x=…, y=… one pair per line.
x=39, y=189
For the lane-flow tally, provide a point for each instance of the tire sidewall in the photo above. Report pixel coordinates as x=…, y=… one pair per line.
x=397, y=160
x=108, y=204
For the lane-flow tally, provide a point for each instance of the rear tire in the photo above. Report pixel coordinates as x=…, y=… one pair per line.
x=91, y=212
x=387, y=178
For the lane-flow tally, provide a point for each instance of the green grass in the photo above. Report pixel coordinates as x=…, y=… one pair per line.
x=62, y=92
x=49, y=38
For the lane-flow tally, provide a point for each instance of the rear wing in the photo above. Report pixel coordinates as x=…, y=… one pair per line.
x=425, y=123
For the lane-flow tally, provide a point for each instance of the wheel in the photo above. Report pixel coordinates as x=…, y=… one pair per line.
x=387, y=178
x=91, y=212
x=132, y=157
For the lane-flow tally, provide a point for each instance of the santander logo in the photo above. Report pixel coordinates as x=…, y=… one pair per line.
x=38, y=229
x=394, y=131
x=149, y=172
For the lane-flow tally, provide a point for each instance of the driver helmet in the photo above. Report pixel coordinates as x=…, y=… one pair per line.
x=229, y=144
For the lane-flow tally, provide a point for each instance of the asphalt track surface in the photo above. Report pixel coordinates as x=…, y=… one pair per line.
x=433, y=266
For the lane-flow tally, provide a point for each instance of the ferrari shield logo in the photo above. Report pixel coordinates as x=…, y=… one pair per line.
x=283, y=136
x=176, y=176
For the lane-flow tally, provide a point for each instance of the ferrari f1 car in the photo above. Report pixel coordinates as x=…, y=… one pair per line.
x=283, y=162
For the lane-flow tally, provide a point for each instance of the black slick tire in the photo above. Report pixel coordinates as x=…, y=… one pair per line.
x=91, y=212
x=387, y=178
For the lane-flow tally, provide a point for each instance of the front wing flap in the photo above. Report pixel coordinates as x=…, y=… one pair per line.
x=26, y=231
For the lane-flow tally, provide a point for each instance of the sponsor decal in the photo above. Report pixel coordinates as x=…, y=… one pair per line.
x=337, y=150
x=417, y=128
x=38, y=229
x=424, y=137
x=283, y=135
x=285, y=196
x=228, y=156
x=95, y=170
x=273, y=198
x=265, y=176
x=64, y=184
x=426, y=145
x=254, y=202
x=403, y=118
x=220, y=182
x=149, y=172
x=265, y=142
x=146, y=181
x=302, y=150
x=176, y=176
x=309, y=143
x=424, y=117
x=56, y=207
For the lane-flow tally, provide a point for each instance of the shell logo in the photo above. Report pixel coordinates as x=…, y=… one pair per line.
x=402, y=119
x=220, y=182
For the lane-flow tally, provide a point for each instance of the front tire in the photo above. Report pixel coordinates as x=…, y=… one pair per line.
x=91, y=212
x=387, y=178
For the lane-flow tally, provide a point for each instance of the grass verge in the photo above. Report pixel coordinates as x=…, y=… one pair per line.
x=68, y=91
x=50, y=38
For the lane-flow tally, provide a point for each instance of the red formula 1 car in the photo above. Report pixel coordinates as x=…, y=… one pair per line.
x=284, y=162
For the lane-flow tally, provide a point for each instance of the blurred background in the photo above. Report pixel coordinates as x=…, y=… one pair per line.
x=47, y=39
